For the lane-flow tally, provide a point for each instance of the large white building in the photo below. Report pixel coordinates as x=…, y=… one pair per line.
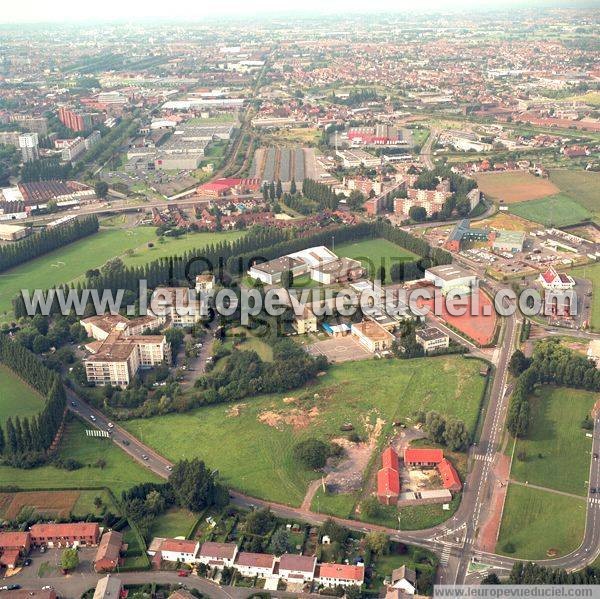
x=555, y=281
x=451, y=278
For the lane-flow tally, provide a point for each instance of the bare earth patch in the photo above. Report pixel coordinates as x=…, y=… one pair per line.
x=515, y=186
x=297, y=418
x=49, y=503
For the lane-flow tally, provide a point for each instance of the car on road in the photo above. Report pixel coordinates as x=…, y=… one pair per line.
x=92, y=418
x=48, y=588
x=144, y=457
x=169, y=468
x=125, y=441
x=110, y=425
x=27, y=562
x=74, y=404
x=593, y=490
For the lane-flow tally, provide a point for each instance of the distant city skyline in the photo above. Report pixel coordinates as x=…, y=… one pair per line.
x=36, y=11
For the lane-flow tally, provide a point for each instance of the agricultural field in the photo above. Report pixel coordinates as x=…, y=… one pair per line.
x=53, y=504
x=525, y=533
x=279, y=162
x=370, y=394
x=558, y=210
x=556, y=452
x=592, y=273
x=374, y=253
x=305, y=136
x=513, y=187
x=17, y=398
x=119, y=472
x=582, y=186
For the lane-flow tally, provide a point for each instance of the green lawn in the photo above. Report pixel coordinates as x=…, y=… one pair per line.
x=69, y=262
x=592, y=272
x=582, y=186
x=556, y=434
x=16, y=397
x=374, y=253
x=172, y=246
x=120, y=472
x=252, y=445
x=558, y=210
x=173, y=523
x=537, y=521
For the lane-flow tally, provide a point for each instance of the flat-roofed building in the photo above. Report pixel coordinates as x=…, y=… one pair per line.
x=179, y=305
x=13, y=232
x=372, y=336
x=432, y=338
x=451, y=278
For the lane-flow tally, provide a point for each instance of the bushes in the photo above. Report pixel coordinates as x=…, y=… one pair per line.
x=312, y=453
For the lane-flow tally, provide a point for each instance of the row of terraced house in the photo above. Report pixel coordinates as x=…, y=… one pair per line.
x=288, y=567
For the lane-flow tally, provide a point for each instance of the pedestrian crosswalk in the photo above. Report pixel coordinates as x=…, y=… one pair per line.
x=96, y=433
x=445, y=556
x=594, y=500
x=483, y=457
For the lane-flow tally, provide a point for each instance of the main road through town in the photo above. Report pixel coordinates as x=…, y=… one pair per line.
x=455, y=540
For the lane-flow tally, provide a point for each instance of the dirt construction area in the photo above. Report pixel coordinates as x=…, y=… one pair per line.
x=340, y=349
x=515, y=186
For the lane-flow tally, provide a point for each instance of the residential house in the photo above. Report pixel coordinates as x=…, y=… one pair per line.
x=72, y=534
x=332, y=575
x=217, y=555
x=297, y=568
x=109, y=551
x=108, y=587
x=179, y=550
x=405, y=580
x=255, y=564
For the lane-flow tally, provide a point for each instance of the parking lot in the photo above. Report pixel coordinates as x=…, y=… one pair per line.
x=340, y=349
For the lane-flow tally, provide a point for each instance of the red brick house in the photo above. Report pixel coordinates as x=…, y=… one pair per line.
x=65, y=535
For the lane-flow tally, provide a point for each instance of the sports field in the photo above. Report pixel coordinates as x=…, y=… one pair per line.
x=251, y=442
x=538, y=522
x=69, y=262
x=557, y=450
x=374, y=253
x=120, y=471
x=72, y=261
x=17, y=398
x=517, y=186
x=558, y=210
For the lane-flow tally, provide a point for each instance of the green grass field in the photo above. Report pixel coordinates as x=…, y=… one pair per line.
x=558, y=210
x=592, y=272
x=556, y=435
x=374, y=253
x=582, y=186
x=171, y=246
x=71, y=262
x=251, y=442
x=120, y=472
x=174, y=522
x=537, y=521
x=16, y=397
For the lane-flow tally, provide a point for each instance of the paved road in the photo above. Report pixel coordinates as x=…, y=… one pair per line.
x=425, y=153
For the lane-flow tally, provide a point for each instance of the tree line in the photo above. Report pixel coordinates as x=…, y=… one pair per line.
x=25, y=441
x=530, y=573
x=320, y=193
x=47, y=240
x=551, y=363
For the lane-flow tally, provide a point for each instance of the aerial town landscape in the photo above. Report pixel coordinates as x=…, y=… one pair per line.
x=299, y=304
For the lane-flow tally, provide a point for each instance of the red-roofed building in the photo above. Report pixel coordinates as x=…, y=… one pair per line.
x=555, y=281
x=255, y=564
x=217, y=555
x=449, y=476
x=332, y=575
x=179, y=550
x=389, y=458
x=388, y=486
x=424, y=458
x=9, y=558
x=65, y=535
x=15, y=540
x=222, y=187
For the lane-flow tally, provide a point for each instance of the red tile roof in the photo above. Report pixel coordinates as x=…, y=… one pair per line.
x=342, y=572
x=13, y=539
x=449, y=476
x=258, y=560
x=218, y=550
x=178, y=546
x=388, y=482
x=298, y=563
x=423, y=456
x=389, y=458
x=68, y=530
x=550, y=275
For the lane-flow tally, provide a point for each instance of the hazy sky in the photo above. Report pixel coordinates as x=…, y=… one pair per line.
x=70, y=10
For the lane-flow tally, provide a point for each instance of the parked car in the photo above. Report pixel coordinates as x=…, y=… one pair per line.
x=183, y=573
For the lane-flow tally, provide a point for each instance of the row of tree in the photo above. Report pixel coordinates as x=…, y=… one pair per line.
x=47, y=240
x=552, y=363
x=25, y=441
x=320, y=193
